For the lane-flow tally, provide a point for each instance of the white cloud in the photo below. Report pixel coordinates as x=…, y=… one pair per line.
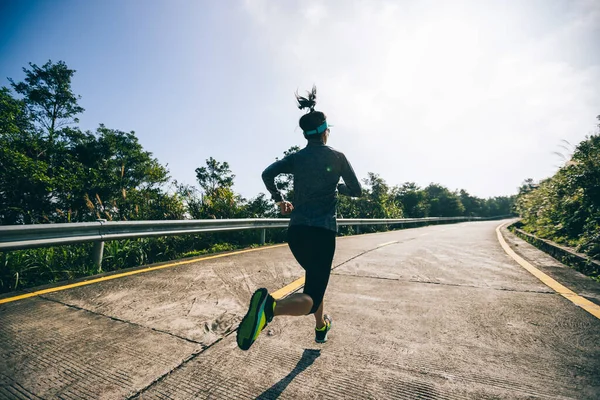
x=469, y=95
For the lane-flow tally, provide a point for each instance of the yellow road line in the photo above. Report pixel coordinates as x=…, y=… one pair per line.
x=137, y=271
x=287, y=289
x=548, y=281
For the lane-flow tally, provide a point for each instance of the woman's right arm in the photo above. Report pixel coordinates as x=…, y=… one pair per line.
x=283, y=166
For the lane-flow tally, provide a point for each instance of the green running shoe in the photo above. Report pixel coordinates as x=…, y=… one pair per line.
x=321, y=335
x=254, y=321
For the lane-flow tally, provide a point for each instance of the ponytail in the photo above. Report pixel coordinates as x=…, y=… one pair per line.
x=313, y=123
x=308, y=102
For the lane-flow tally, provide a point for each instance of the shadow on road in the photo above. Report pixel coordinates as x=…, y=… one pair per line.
x=308, y=357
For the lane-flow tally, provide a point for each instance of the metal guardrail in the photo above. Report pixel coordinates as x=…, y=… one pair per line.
x=17, y=237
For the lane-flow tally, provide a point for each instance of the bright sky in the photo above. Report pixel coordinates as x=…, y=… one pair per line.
x=470, y=94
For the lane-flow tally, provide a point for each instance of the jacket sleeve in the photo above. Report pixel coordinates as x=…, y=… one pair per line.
x=351, y=186
x=283, y=166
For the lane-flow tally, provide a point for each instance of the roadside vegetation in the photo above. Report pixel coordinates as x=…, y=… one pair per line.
x=565, y=208
x=53, y=172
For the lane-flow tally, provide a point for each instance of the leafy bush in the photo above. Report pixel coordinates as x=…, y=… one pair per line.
x=566, y=207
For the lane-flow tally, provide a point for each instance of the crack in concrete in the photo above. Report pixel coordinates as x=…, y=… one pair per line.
x=189, y=358
x=179, y=366
x=121, y=320
x=444, y=284
x=370, y=250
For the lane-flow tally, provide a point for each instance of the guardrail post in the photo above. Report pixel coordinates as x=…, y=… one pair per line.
x=263, y=234
x=357, y=229
x=98, y=250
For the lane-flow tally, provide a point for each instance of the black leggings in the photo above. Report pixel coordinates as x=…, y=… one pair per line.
x=313, y=248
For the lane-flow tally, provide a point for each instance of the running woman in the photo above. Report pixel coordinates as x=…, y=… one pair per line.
x=313, y=227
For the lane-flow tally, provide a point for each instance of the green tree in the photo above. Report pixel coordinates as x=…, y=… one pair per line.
x=378, y=200
x=219, y=200
x=191, y=198
x=47, y=93
x=443, y=202
x=41, y=150
x=25, y=184
x=260, y=207
x=496, y=206
x=473, y=206
x=215, y=175
x=413, y=200
x=348, y=207
x=118, y=179
x=14, y=116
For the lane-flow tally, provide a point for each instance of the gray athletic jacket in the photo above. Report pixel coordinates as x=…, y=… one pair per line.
x=317, y=169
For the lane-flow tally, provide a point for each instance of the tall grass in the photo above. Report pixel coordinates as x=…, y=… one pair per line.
x=26, y=268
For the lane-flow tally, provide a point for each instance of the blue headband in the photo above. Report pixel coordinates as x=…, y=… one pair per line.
x=320, y=129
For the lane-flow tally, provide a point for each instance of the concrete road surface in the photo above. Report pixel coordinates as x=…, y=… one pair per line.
x=439, y=312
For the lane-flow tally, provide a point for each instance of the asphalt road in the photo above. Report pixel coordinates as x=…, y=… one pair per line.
x=439, y=312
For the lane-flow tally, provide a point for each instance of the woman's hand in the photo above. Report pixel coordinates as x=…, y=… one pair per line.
x=285, y=207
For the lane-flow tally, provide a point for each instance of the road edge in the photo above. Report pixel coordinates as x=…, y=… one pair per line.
x=547, y=280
